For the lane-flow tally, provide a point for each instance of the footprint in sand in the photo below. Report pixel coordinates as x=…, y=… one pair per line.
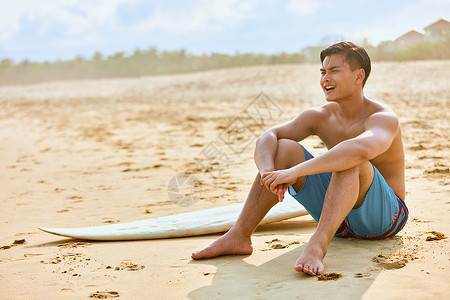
x=388, y=263
x=127, y=265
x=104, y=294
x=130, y=266
x=15, y=243
x=329, y=276
x=278, y=244
x=362, y=275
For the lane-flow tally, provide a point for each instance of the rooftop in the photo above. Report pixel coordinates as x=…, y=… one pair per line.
x=440, y=24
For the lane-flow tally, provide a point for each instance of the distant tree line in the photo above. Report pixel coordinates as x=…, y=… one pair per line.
x=425, y=50
x=155, y=62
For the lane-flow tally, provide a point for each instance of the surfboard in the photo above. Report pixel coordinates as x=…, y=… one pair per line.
x=194, y=223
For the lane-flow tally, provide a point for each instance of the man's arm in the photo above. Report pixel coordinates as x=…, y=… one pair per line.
x=381, y=129
x=297, y=129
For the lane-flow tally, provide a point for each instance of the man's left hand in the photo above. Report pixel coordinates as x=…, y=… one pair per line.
x=279, y=181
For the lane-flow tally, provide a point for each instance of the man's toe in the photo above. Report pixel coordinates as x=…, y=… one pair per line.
x=320, y=270
x=306, y=269
x=298, y=268
x=200, y=254
x=310, y=270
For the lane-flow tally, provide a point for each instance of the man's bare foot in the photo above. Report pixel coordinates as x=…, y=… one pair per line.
x=226, y=244
x=311, y=260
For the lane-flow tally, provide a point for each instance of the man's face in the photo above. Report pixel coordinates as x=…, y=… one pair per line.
x=337, y=79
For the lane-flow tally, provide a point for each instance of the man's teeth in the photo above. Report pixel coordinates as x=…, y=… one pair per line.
x=329, y=87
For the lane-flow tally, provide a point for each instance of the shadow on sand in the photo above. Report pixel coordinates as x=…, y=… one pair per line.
x=276, y=279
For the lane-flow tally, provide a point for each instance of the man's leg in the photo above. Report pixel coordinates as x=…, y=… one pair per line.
x=259, y=201
x=346, y=191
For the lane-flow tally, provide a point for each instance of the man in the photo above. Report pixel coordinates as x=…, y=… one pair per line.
x=355, y=189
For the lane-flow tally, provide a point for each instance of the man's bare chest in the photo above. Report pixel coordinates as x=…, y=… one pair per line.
x=332, y=133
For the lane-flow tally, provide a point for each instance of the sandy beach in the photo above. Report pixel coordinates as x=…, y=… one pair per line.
x=86, y=153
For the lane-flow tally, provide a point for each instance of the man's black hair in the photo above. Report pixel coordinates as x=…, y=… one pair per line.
x=355, y=56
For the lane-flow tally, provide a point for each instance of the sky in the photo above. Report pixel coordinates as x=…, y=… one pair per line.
x=62, y=29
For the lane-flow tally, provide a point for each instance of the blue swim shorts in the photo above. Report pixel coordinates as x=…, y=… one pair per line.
x=382, y=214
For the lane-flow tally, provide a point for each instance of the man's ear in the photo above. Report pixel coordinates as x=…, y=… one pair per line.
x=361, y=75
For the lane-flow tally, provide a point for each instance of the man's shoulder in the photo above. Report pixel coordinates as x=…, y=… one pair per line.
x=322, y=111
x=379, y=110
x=383, y=116
x=380, y=107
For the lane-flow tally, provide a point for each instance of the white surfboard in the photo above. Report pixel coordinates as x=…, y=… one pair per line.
x=194, y=223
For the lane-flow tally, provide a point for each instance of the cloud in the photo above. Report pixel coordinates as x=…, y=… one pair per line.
x=75, y=17
x=303, y=8
x=81, y=21
x=197, y=16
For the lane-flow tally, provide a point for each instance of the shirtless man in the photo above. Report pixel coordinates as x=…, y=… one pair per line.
x=355, y=189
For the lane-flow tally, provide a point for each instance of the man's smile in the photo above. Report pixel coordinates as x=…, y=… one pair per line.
x=329, y=87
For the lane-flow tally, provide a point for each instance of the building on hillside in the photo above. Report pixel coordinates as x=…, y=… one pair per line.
x=438, y=30
x=408, y=39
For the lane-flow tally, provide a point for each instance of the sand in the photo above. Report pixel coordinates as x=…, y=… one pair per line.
x=103, y=151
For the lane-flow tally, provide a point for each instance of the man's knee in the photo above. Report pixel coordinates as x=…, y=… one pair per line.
x=362, y=173
x=289, y=153
x=352, y=172
x=362, y=170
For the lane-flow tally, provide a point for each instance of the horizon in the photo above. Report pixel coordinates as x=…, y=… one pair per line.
x=57, y=30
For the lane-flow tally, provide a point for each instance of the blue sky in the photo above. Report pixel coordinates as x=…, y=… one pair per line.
x=61, y=29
